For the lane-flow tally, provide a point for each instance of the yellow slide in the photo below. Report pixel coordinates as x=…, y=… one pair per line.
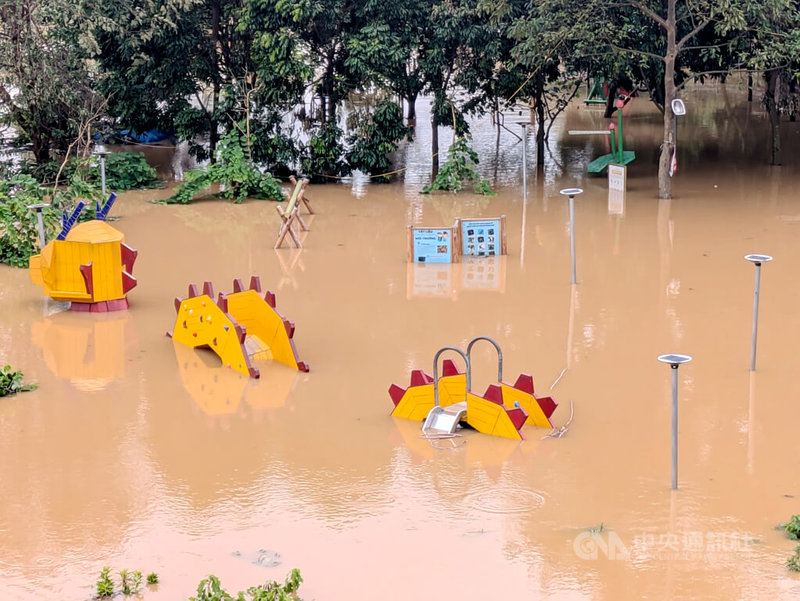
x=236, y=326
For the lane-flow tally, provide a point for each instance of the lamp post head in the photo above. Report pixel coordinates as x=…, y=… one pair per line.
x=38, y=206
x=571, y=191
x=758, y=259
x=674, y=359
x=678, y=108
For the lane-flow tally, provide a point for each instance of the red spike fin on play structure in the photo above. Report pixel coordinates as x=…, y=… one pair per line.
x=86, y=272
x=222, y=302
x=128, y=256
x=548, y=405
x=254, y=373
x=449, y=368
x=193, y=291
x=495, y=394
x=269, y=296
x=396, y=392
x=518, y=416
x=289, y=325
x=128, y=282
x=208, y=289
x=420, y=378
x=178, y=301
x=524, y=383
x=238, y=286
x=241, y=333
x=255, y=283
x=303, y=366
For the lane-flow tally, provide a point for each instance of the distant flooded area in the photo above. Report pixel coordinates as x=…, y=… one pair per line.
x=137, y=452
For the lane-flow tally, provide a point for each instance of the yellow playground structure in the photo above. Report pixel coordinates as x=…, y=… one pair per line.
x=445, y=402
x=237, y=326
x=88, y=264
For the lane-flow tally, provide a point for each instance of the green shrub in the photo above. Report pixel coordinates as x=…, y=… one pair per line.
x=792, y=527
x=375, y=135
x=11, y=381
x=125, y=171
x=233, y=170
x=793, y=563
x=323, y=157
x=152, y=578
x=460, y=167
x=210, y=589
x=104, y=585
x=19, y=234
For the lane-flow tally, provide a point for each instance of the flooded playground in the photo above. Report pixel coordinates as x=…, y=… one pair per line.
x=137, y=452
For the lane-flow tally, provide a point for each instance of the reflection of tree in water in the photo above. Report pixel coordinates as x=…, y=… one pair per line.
x=452, y=206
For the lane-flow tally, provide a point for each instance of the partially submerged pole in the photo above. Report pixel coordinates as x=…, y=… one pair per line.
x=39, y=221
x=572, y=192
x=674, y=361
x=756, y=260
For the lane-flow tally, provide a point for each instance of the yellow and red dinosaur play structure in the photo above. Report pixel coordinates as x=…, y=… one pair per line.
x=237, y=326
x=87, y=264
x=501, y=411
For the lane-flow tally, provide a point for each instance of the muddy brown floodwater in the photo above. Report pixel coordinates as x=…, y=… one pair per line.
x=136, y=453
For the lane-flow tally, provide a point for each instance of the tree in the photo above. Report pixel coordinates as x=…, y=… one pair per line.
x=46, y=87
x=660, y=39
x=771, y=44
x=546, y=46
x=386, y=50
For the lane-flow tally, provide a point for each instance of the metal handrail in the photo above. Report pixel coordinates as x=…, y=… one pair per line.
x=436, y=370
x=499, y=358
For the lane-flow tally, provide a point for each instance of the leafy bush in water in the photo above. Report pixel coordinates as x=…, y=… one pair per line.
x=323, y=157
x=240, y=178
x=793, y=563
x=19, y=235
x=126, y=171
x=11, y=381
x=375, y=136
x=460, y=167
x=792, y=527
x=130, y=581
x=210, y=589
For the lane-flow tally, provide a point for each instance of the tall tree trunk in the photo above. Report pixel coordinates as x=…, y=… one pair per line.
x=664, y=179
x=434, y=147
x=771, y=100
x=213, y=137
x=539, y=119
x=411, y=116
x=40, y=141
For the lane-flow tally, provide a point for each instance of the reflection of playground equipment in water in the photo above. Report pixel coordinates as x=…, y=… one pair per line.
x=218, y=390
x=448, y=279
x=237, y=326
x=445, y=402
x=288, y=267
x=89, y=351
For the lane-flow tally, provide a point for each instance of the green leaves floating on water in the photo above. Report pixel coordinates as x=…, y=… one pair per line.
x=11, y=381
x=210, y=589
x=792, y=527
